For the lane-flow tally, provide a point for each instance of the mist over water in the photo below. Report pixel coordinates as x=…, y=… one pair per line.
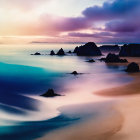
x=23, y=77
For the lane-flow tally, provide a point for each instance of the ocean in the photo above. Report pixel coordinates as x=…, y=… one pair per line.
x=24, y=114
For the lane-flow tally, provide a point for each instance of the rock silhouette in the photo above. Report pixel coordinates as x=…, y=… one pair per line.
x=50, y=93
x=133, y=67
x=75, y=50
x=61, y=52
x=69, y=52
x=113, y=58
x=74, y=73
x=37, y=53
x=52, y=53
x=130, y=50
x=89, y=49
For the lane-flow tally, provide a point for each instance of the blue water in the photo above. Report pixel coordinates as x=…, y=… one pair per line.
x=23, y=76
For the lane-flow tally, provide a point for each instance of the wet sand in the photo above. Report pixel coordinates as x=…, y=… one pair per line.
x=121, y=121
x=129, y=107
x=100, y=128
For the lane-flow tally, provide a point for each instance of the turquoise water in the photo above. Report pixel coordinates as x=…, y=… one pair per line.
x=23, y=77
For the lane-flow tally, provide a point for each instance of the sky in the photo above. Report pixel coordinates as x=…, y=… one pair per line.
x=101, y=21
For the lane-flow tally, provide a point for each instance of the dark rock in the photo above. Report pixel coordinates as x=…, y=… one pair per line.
x=61, y=52
x=113, y=58
x=89, y=49
x=91, y=61
x=130, y=50
x=75, y=50
x=74, y=73
x=37, y=53
x=69, y=52
x=123, y=61
x=133, y=67
x=110, y=48
x=50, y=93
x=52, y=53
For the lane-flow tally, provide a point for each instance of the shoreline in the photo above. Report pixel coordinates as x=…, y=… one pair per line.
x=123, y=125
x=127, y=89
x=103, y=126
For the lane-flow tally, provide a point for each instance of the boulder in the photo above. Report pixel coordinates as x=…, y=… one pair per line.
x=74, y=73
x=89, y=49
x=69, y=52
x=37, y=53
x=61, y=52
x=52, y=53
x=130, y=50
x=50, y=93
x=113, y=58
x=133, y=67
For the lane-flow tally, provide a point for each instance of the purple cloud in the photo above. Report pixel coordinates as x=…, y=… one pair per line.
x=115, y=10
x=127, y=25
x=122, y=17
x=95, y=35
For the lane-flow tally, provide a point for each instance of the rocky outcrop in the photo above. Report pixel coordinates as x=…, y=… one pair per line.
x=37, y=53
x=130, y=50
x=75, y=50
x=61, y=52
x=133, y=67
x=50, y=93
x=89, y=49
x=113, y=58
x=109, y=48
x=74, y=73
x=69, y=52
x=52, y=53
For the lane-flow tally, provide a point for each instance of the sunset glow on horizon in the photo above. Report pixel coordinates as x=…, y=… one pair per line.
x=110, y=21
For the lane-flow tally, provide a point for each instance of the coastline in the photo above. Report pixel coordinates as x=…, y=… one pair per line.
x=108, y=122
x=120, y=123
x=128, y=89
x=129, y=106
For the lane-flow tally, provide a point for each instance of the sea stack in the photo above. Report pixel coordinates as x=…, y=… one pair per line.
x=74, y=73
x=52, y=53
x=89, y=49
x=61, y=52
x=133, y=67
x=130, y=50
x=50, y=93
x=113, y=58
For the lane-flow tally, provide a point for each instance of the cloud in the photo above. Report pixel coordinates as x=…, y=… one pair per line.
x=95, y=35
x=119, y=15
x=119, y=21
x=128, y=25
x=62, y=24
x=109, y=11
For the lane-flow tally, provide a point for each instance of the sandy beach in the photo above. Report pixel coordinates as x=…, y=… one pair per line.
x=121, y=121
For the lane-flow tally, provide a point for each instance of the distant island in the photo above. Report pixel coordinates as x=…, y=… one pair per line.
x=44, y=42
